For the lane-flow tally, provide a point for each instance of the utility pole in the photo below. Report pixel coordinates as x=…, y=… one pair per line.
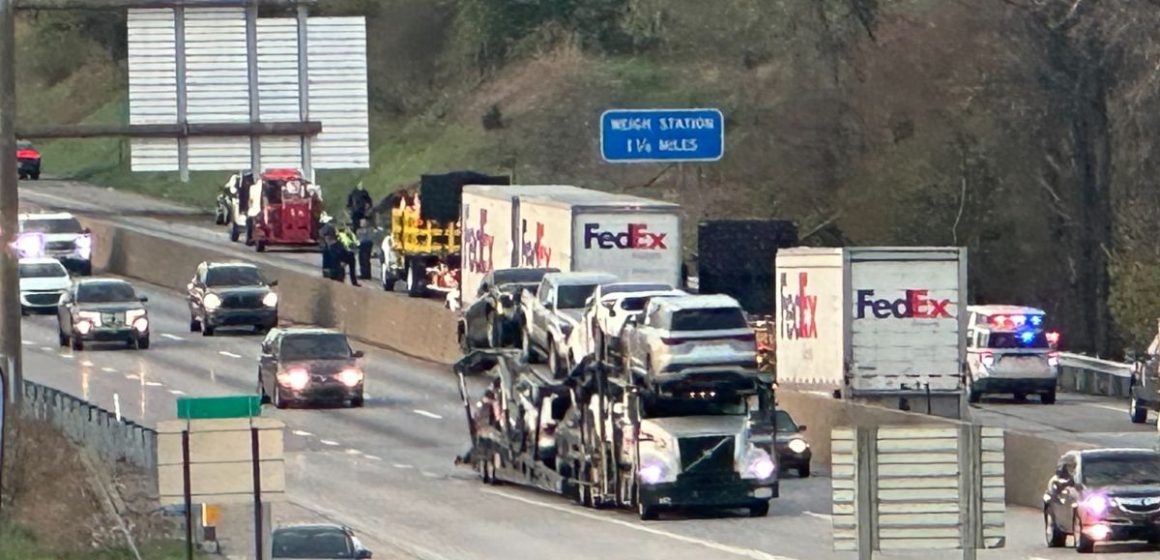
x=9, y=206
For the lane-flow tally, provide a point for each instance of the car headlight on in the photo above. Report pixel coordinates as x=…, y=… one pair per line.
x=652, y=471
x=211, y=302
x=83, y=246
x=759, y=465
x=84, y=326
x=296, y=378
x=90, y=316
x=351, y=377
x=798, y=445
x=1096, y=504
x=30, y=245
x=271, y=300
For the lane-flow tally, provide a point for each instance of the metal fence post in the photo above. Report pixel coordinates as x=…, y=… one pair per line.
x=866, y=489
x=971, y=488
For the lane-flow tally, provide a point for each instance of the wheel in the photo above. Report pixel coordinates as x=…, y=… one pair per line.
x=262, y=329
x=277, y=398
x=526, y=346
x=357, y=402
x=262, y=396
x=22, y=176
x=553, y=358
x=35, y=175
x=760, y=510
x=1136, y=413
x=494, y=336
x=194, y=324
x=601, y=346
x=646, y=512
x=207, y=329
x=804, y=472
x=1020, y=396
x=260, y=246
x=235, y=233
x=24, y=312
x=1083, y=543
x=1047, y=397
x=416, y=286
x=77, y=343
x=143, y=342
x=973, y=396
x=1054, y=537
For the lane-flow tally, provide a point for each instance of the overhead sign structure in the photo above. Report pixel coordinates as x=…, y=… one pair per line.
x=918, y=488
x=662, y=135
x=194, y=65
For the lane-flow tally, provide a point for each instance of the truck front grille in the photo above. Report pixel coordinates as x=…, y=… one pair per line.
x=693, y=449
x=242, y=301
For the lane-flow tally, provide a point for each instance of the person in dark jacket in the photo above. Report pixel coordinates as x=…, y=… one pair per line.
x=328, y=243
x=358, y=204
x=366, y=244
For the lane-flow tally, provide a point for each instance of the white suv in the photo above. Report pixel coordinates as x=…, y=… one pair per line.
x=42, y=282
x=605, y=314
x=679, y=332
x=57, y=235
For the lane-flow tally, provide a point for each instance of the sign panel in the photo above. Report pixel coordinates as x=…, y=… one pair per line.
x=662, y=135
x=240, y=406
x=924, y=483
x=221, y=460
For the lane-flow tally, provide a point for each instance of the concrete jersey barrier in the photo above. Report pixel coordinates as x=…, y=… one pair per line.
x=423, y=329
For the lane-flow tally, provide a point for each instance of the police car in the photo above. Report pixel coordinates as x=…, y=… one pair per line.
x=1010, y=352
x=59, y=236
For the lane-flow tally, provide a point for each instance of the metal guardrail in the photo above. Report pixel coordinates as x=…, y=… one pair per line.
x=92, y=426
x=1093, y=376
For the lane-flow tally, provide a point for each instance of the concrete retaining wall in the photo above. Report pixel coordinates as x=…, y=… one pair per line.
x=422, y=329
x=415, y=327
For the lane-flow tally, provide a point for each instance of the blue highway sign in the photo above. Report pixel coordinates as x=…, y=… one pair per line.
x=662, y=135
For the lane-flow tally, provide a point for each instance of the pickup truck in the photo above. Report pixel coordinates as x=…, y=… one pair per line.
x=553, y=311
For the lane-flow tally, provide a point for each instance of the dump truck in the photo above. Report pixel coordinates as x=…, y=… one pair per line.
x=882, y=325
x=700, y=438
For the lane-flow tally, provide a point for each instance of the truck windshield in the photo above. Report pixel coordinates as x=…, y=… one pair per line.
x=1026, y=339
x=66, y=225
x=1127, y=469
x=661, y=407
x=42, y=270
x=720, y=319
x=573, y=297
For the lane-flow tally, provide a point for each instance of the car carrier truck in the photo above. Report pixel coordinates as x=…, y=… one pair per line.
x=570, y=229
x=702, y=438
x=883, y=325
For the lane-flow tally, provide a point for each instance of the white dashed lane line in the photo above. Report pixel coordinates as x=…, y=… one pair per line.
x=229, y=354
x=153, y=384
x=301, y=433
x=171, y=336
x=328, y=442
x=108, y=370
x=427, y=414
x=87, y=363
x=176, y=392
x=353, y=452
x=131, y=376
x=28, y=343
x=402, y=466
x=67, y=356
x=46, y=348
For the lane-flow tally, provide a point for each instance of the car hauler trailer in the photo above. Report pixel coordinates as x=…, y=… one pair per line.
x=700, y=438
x=571, y=229
x=883, y=325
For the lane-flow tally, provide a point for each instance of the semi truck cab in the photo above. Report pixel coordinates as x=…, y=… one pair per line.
x=1010, y=352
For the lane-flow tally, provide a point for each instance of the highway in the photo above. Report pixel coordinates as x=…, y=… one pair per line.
x=387, y=470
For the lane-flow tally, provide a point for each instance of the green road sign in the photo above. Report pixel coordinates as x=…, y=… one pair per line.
x=241, y=406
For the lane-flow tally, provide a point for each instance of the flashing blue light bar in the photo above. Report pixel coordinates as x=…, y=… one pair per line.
x=1037, y=320
x=1027, y=337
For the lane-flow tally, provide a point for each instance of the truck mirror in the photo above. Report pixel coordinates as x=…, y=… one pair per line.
x=802, y=428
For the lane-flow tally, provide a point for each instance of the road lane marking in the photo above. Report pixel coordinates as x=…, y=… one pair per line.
x=28, y=343
x=176, y=392
x=108, y=370
x=373, y=457
x=746, y=552
x=46, y=348
x=301, y=433
x=229, y=354
x=67, y=356
x=171, y=336
x=427, y=414
x=132, y=376
x=402, y=466
x=153, y=383
x=1106, y=407
x=328, y=442
x=353, y=452
x=87, y=363
x=822, y=516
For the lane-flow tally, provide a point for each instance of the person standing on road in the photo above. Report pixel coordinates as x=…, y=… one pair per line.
x=348, y=244
x=366, y=244
x=358, y=204
x=328, y=243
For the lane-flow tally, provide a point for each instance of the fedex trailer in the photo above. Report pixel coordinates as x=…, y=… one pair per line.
x=569, y=228
x=884, y=325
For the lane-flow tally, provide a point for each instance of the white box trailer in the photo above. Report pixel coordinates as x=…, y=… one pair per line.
x=883, y=324
x=569, y=228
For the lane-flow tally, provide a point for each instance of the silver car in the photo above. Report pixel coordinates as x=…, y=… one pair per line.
x=679, y=332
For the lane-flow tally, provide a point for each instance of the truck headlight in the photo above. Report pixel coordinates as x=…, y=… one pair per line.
x=271, y=300
x=652, y=471
x=211, y=302
x=351, y=377
x=296, y=379
x=759, y=465
x=798, y=445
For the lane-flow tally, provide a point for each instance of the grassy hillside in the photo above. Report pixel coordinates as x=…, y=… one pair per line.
x=1017, y=131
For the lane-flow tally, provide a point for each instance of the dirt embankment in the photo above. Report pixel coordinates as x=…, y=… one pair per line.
x=68, y=500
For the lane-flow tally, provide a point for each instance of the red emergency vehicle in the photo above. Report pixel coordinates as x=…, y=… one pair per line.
x=290, y=212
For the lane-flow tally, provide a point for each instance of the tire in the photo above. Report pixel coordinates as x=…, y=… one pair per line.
x=416, y=286
x=357, y=402
x=553, y=358
x=973, y=396
x=194, y=324
x=86, y=269
x=263, y=398
x=646, y=512
x=277, y=399
x=77, y=343
x=526, y=345
x=803, y=472
x=1136, y=413
x=35, y=175
x=760, y=510
x=24, y=311
x=1052, y=535
x=143, y=343
x=260, y=246
x=1083, y=544
x=1048, y=397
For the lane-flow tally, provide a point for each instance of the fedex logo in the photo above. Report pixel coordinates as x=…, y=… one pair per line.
x=479, y=244
x=914, y=305
x=636, y=236
x=535, y=254
x=799, y=309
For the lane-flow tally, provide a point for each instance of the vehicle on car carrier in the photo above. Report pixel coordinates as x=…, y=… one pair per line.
x=695, y=439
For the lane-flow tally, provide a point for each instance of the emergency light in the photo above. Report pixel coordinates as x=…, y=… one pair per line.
x=1016, y=321
x=29, y=245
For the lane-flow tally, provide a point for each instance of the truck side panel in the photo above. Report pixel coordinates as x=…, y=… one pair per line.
x=544, y=238
x=487, y=239
x=809, y=312
x=636, y=246
x=906, y=328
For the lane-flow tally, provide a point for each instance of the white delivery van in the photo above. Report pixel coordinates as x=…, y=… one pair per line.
x=569, y=228
x=879, y=324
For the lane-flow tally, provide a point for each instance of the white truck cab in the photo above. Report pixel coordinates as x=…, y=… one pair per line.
x=1010, y=352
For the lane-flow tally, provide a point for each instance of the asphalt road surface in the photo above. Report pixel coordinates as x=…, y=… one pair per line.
x=386, y=469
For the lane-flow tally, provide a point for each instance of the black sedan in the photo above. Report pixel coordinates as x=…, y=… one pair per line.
x=317, y=541
x=793, y=451
x=306, y=365
x=1103, y=495
x=103, y=310
x=491, y=320
x=231, y=295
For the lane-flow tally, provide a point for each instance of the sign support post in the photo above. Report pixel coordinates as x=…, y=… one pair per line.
x=188, y=495
x=259, y=533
